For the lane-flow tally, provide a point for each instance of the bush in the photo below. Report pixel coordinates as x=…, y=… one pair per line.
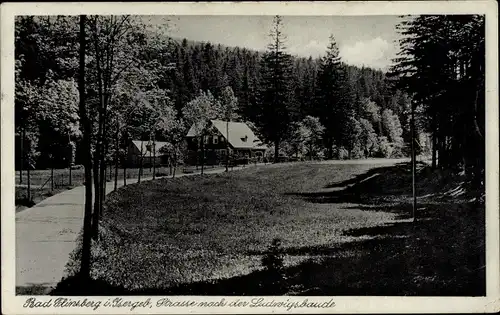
x=25, y=202
x=272, y=261
x=357, y=153
x=343, y=154
x=385, y=148
x=253, y=160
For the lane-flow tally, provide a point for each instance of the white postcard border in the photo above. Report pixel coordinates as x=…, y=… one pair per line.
x=12, y=304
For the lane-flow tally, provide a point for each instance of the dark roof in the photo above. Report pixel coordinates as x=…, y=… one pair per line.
x=240, y=135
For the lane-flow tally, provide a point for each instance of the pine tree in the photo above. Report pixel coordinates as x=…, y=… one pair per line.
x=275, y=89
x=333, y=98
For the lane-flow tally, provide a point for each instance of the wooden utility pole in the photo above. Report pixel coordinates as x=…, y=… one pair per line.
x=51, y=172
x=154, y=155
x=23, y=133
x=413, y=161
x=28, y=171
x=227, y=146
x=70, y=160
x=87, y=219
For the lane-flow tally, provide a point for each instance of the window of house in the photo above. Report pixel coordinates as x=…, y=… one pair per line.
x=216, y=139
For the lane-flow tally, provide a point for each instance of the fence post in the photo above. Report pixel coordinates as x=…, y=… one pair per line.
x=29, y=180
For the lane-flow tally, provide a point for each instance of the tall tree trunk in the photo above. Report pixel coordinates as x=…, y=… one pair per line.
x=464, y=151
x=329, y=146
x=413, y=161
x=87, y=159
x=117, y=154
x=169, y=159
x=276, y=151
x=70, y=159
x=442, y=163
x=434, y=150
x=140, y=164
x=103, y=169
x=170, y=164
x=52, y=173
x=150, y=161
x=103, y=186
x=175, y=159
x=105, y=147
x=97, y=155
x=105, y=80
x=125, y=159
x=97, y=198
x=478, y=135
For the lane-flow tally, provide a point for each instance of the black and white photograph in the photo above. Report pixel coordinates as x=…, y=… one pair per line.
x=244, y=155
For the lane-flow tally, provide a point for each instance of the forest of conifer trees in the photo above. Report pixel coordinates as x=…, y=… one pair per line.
x=139, y=82
x=362, y=114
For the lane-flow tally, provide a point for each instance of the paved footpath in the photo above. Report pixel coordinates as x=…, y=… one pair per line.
x=46, y=234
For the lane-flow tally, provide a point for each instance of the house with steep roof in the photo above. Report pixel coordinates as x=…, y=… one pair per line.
x=149, y=151
x=217, y=135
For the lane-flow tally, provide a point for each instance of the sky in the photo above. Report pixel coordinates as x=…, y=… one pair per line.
x=362, y=40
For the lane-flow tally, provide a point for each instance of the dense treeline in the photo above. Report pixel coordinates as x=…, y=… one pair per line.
x=442, y=66
x=46, y=67
x=212, y=67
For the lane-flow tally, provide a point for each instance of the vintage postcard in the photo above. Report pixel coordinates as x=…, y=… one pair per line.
x=250, y=157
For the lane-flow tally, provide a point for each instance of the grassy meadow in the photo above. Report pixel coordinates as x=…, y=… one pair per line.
x=343, y=229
